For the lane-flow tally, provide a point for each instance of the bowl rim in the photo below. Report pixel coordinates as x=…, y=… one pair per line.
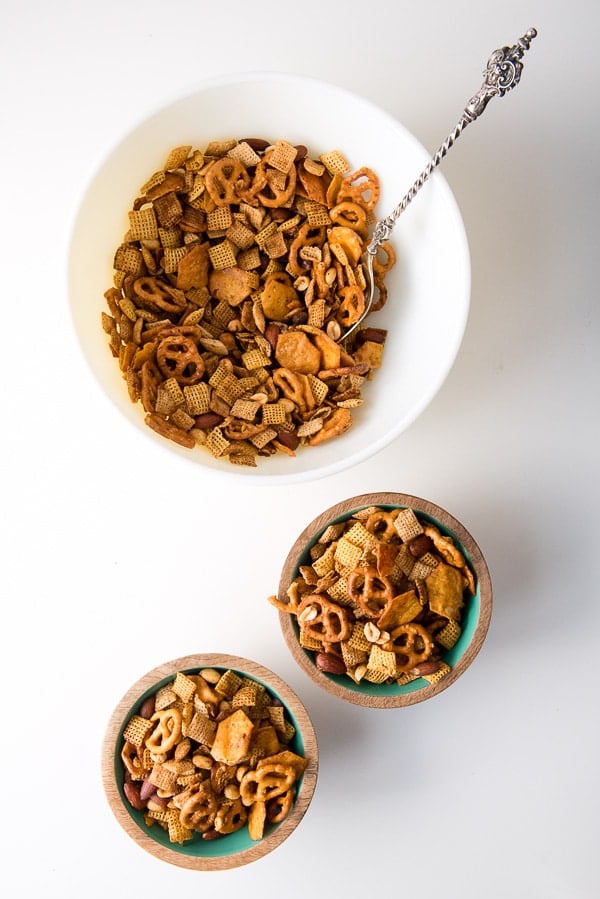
x=418, y=504
x=321, y=468
x=123, y=710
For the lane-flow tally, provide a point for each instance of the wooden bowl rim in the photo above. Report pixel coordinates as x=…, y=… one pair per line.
x=418, y=504
x=271, y=840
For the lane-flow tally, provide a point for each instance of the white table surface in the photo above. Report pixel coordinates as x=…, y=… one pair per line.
x=492, y=788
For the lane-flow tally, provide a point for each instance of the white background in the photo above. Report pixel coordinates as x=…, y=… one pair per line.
x=116, y=558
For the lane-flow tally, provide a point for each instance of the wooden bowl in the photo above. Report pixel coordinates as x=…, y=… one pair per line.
x=475, y=614
x=232, y=850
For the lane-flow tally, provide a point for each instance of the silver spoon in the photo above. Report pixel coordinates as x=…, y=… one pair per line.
x=502, y=73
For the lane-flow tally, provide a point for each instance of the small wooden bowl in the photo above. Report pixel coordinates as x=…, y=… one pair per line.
x=235, y=849
x=475, y=620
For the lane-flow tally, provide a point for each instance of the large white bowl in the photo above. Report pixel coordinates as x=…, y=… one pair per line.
x=429, y=289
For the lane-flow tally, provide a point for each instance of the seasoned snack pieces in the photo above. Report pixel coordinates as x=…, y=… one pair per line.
x=381, y=598
x=209, y=753
x=240, y=272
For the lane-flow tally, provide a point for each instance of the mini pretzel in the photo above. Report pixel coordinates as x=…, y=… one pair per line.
x=230, y=816
x=224, y=178
x=361, y=187
x=381, y=524
x=369, y=590
x=272, y=195
x=178, y=358
x=330, y=624
x=152, y=295
x=350, y=215
x=296, y=387
x=381, y=266
x=352, y=305
x=167, y=731
x=412, y=645
x=308, y=236
x=279, y=807
x=131, y=759
x=199, y=810
x=266, y=783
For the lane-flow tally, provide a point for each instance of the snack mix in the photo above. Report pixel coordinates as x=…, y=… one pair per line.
x=382, y=597
x=240, y=273
x=208, y=754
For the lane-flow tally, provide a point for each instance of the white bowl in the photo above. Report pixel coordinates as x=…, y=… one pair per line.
x=429, y=288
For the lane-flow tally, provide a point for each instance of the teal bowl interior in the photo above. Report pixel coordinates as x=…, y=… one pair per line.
x=228, y=845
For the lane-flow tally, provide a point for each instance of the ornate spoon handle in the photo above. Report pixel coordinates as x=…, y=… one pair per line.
x=502, y=73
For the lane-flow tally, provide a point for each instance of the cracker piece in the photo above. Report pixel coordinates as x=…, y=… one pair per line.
x=222, y=255
x=164, y=778
x=423, y=567
x=228, y=683
x=220, y=147
x=347, y=555
x=326, y=562
x=221, y=372
x=153, y=181
x=178, y=832
x=310, y=427
x=255, y=358
x=442, y=671
x=282, y=156
x=172, y=257
x=230, y=389
x=351, y=403
x=245, y=409
x=136, y=730
x=290, y=224
x=382, y=660
x=143, y=224
x=219, y=219
x=338, y=591
x=223, y=314
x=232, y=739
x=240, y=235
x=353, y=656
x=400, y=610
x=405, y=562
x=375, y=676
x=357, y=639
x=332, y=531
x=274, y=413
x=197, y=398
x=177, y=157
x=360, y=536
x=406, y=678
x=129, y=260
x=308, y=641
x=164, y=697
x=448, y=636
x=245, y=154
x=335, y=162
x=245, y=695
x=317, y=215
x=275, y=246
x=407, y=525
x=445, y=591
x=261, y=440
x=250, y=259
x=254, y=215
x=183, y=686
x=265, y=233
x=216, y=442
x=201, y=729
x=174, y=391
